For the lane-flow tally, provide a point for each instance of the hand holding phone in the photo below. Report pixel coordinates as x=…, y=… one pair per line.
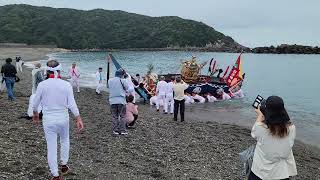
x=257, y=101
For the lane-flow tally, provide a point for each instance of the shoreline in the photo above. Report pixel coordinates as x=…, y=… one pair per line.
x=158, y=148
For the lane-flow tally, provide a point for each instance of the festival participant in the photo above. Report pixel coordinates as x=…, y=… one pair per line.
x=74, y=74
x=99, y=80
x=275, y=134
x=197, y=98
x=169, y=97
x=178, y=88
x=211, y=98
x=139, y=79
x=222, y=95
x=37, y=77
x=188, y=98
x=19, y=63
x=118, y=87
x=161, y=92
x=127, y=76
x=238, y=93
x=8, y=72
x=131, y=112
x=56, y=97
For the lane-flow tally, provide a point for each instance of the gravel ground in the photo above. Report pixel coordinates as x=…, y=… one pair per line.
x=158, y=148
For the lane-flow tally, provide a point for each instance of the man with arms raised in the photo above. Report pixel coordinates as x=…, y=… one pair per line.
x=56, y=97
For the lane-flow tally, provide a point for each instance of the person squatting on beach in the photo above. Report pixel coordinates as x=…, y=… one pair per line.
x=19, y=63
x=37, y=77
x=74, y=74
x=118, y=87
x=56, y=97
x=275, y=134
x=99, y=81
x=131, y=112
x=178, y=88
x=169, y=97
x=8, y=72
x=161, y=92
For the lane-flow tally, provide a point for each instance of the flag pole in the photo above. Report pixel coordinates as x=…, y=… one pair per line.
x=108, y=69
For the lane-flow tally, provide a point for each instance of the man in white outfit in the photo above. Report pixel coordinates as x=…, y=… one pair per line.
x=56, y=97
x=74, y=74
x=169, y=96
x=19, y=62
x=161, y=92
x=99, y=80
x=127, y=76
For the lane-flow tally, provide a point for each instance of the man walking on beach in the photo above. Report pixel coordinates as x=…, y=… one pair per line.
x=19, y=64
x=99, y=80
x=178, y=88
x=161, y=92
x=118, y=87
x=169, y=97
x=56, y=97
x=9, y=72
x=75, y=75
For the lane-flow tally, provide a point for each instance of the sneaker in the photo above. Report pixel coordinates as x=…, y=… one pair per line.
x=124, y=133
x=65, y=169
x=57, y=178
x=115, y=133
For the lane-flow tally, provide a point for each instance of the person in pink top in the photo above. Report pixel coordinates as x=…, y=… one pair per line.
x=131, y=111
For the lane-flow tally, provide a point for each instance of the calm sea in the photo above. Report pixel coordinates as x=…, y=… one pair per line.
x=293, y=77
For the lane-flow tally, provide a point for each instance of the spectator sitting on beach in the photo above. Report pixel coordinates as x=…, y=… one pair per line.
x=211, y=98
x=188, y=98
x=222, y=95
x=197, y=98
x=275, y=134
x=131, y=112
x=9, y=72
x=118, y=87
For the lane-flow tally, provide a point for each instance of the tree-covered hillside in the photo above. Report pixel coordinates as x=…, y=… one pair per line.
x=77, y=29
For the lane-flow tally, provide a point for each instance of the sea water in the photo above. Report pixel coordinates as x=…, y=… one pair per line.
x=293, y=77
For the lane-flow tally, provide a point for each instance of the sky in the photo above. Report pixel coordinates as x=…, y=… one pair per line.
x=250, y=22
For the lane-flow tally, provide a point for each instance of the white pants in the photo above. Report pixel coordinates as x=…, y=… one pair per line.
x=169, y=102
x=19, y=66
x=159, y=99
x=75, y=83
x=54, y=124
x=30, y=108
x=99, y=88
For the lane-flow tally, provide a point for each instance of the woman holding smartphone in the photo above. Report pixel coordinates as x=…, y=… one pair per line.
x=275, y=134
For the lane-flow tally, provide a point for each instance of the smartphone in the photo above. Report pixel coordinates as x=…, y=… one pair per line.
x=257, y=101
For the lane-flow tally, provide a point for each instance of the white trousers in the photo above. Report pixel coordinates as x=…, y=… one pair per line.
x=19, y=66
x=99, y=88
x=30, y=108
x=56, y=124
x=75, y=83
x=169, y=102
x=159, y=99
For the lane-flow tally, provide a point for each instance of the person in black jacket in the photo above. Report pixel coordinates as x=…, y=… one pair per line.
x=8, y=72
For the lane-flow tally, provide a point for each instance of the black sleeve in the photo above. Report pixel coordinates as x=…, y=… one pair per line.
x=14, y=70
x=1, y=69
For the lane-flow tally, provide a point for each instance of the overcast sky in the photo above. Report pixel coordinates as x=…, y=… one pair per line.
x=250, y=22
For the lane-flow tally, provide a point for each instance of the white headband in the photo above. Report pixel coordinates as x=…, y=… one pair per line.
x=55, y=69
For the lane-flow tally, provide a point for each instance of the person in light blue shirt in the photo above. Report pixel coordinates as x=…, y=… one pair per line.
x=118, y=87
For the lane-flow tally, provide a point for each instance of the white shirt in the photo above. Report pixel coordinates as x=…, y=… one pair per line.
x=99, y=77
x=161, y=88
x=188, y=99
x=211, y=98
x=239, y=94
x=74, y=73
x=225, y=96
x=199, y=98
x=55, y=95
x=169, y=89
x=273, y=157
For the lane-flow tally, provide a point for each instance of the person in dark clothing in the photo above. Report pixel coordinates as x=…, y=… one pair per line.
x=8, y=72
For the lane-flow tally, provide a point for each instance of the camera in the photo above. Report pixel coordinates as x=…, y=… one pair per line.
x=262, y=102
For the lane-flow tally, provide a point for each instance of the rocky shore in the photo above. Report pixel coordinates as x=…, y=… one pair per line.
x=287, y=49
x=158, y=148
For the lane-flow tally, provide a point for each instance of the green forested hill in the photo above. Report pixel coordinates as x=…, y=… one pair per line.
x=77, y=29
